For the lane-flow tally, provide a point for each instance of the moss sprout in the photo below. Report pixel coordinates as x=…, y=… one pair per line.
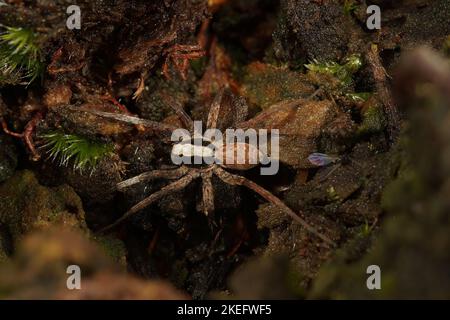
x=359, y=97
x=343, y=72
x=20, y=56
x=78, y=151
x=350, y=6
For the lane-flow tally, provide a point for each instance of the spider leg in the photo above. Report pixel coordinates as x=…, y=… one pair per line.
x=241, y=181
x=124, y=118
x=179, y=111
x=207, y=193
x=141, y=86
x=165, y=68
x=152, y=175
x=330, y=172
x=173, y=187
x=213, y=114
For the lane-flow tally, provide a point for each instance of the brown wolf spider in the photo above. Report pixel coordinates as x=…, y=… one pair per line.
x=184, y=175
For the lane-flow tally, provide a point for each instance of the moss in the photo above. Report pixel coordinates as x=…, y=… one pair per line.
x=81, y=153
x=295, y=282
x=374, y=121
x=412, y=247
x=113, y=248
x=349, y=6
x=20, y=56
x=343, y=72
x=365, y=230
x=409, y=182
x=265, y=85
x=359, y=97
x=332, y=194
x=25, y=205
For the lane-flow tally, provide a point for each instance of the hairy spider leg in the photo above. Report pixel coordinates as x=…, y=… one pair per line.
x=213, y=115
x=173, y=187
x=241, y=181
x=153, y=175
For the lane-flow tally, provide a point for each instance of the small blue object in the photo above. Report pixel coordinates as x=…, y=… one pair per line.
x=321, y=159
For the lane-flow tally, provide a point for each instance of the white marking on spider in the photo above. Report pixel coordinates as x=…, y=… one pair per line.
x=192, y=150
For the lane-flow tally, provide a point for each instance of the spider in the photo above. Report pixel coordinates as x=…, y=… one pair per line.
x=184, y=174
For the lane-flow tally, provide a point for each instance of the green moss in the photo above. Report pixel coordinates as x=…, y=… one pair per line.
x=114, y=248
x=365, y=230
x=350, y=6
x=295, y=281
x=80, y=152
x=266, y=85
x=343, y=72
x=332, y=194
x=25, y=205
x=408, y=182
x=359, y=97
x=20, y=56
x=373, y=121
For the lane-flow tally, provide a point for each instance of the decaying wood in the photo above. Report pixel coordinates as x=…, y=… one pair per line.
x=382, y=85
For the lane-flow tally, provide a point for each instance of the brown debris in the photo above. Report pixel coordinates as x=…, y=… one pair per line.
x=301, y=124
x=38, y=271
x=383, y=90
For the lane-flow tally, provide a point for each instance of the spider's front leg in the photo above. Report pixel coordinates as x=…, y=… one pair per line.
x=241, y=181
x=153, y=175
x=173, y=187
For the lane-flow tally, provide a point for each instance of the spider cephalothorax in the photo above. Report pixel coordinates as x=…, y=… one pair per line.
x=185, y=174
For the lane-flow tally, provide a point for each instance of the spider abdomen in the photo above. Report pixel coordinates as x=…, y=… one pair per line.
x=238, y=156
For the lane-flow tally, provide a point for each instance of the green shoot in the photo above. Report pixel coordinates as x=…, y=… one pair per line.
x=343, y=73
x=20, y=56
x=350, y=6
x=79, y=151
x=359, y=97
